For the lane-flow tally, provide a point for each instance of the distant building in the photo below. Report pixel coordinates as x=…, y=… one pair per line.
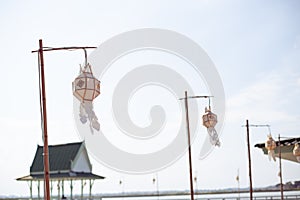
x=68, y=163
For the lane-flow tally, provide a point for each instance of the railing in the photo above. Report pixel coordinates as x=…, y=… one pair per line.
x=180, y=195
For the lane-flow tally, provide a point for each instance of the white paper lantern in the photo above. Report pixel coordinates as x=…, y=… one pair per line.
x=270, y=145
x=209, y=121
x=85, y=86
x=296, y=151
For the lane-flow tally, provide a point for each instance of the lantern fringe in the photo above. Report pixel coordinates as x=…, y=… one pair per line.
x=213, y=136
x=86, y=112
x=271, y=154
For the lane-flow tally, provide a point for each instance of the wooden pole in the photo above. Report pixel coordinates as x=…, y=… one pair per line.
x=189, y=145
x=249, y=160
x=45, y=134
x=280, y=168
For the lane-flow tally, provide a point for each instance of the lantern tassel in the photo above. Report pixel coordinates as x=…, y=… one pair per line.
x=87, y=112
x=213, y=136
x=82, y=114
x=271, y=154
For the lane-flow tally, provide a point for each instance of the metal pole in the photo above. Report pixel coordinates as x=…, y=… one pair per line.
x=45, y=134
x=280, y=168
x=249, y=159
x=189, y=145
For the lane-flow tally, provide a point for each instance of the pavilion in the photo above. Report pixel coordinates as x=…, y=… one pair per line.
x=286, y=148
x=68, y=163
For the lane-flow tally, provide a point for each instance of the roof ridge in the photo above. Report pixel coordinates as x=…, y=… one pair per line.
x=65, y=144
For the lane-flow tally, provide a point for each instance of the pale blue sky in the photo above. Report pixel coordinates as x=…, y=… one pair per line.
x=255, y=46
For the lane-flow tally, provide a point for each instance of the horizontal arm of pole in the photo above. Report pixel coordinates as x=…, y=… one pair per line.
x=195, y=97
x=253, y=125
x=62, y=48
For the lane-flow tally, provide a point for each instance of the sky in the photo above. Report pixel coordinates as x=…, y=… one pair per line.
x=254, y=45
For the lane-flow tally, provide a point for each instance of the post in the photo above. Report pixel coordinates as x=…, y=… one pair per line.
x=81, y=197
x=280, y=168
x=38, y=187
x=51, y=189
x=63, y=187
x=71, y=189
x=189, y=145
x=90, y=191
x=58, y=190
x=157, y=188
x=249, y=159
x=30, y=190
x=238, y=180
x=45, y=133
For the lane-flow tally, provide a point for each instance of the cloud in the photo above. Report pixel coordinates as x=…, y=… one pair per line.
x=271, y=99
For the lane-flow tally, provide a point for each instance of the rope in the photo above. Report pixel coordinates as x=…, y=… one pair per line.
x=40, y=95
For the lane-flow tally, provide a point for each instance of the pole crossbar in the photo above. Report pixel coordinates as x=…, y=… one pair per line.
x=195, y=97
x=253, y=125
x=61, y=48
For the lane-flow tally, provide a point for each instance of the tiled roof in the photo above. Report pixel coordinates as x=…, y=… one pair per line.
x=60, y=157
x=286, y=148
x=283, y=142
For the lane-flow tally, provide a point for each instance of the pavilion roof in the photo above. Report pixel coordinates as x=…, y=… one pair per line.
x=287, y=146
x=60, y=157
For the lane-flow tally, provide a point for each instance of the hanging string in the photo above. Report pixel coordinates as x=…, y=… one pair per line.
x=40, y=95
x=269, y=129
x=85, y=57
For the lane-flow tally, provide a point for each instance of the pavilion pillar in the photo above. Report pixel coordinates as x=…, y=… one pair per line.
x=39, y=189
x=63, y=187
x=30, y=189
x=51, y=189
x=58, y=190
x=71, y=189
x=90, y=191
x=82, y=186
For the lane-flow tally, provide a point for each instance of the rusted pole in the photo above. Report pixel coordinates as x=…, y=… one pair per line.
x=189, y=143
x=45, y=133
x=249, y=160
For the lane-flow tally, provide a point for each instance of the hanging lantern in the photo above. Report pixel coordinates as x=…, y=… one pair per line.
x=296, y=151
x=270, y=145
x=86, y=88
x=210, y=121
